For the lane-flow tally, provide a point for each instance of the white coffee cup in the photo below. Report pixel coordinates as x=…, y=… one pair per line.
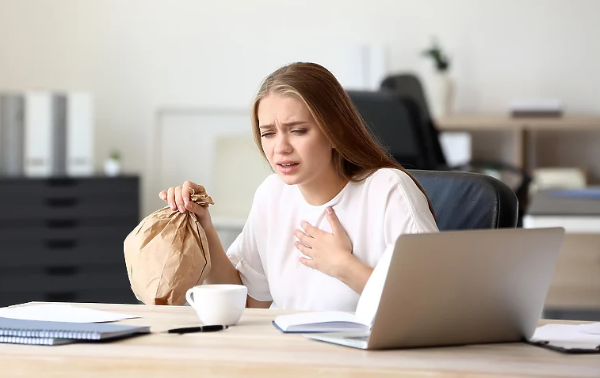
x=218, y=304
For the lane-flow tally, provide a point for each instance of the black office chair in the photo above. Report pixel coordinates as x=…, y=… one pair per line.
x=465, y=200
x=393, y=121
x=461, y=200
x=409, y=86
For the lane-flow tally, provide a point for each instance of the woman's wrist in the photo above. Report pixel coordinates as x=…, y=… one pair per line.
x=354, y=273
x=206, y=222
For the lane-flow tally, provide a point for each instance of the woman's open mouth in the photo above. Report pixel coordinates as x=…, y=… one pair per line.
x=287, y=168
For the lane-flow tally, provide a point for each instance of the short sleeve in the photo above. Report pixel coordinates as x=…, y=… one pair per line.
x=406, y=211
x=244, y=255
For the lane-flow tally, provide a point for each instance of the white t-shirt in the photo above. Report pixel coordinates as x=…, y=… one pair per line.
x=373, y=212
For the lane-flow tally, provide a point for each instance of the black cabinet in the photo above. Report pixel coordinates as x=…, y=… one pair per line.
x=61, y=239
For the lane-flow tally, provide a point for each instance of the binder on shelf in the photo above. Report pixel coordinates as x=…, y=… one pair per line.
x=38, y=134
x=12, y=137
x=58, y=146
x=80, y=134
x=59, y=134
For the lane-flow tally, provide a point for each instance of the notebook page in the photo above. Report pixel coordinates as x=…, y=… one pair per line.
x=301, y=318
x=371, y=295
x=62, y=313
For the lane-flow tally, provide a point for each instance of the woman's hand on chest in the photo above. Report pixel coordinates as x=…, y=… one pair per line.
x=328, y=252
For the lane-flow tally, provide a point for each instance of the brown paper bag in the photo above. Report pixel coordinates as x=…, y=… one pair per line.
x=167, y=253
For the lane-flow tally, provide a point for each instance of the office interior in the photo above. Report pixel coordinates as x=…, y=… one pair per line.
x=167, y=88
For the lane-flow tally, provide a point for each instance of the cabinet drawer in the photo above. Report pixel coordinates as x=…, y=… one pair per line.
x=100, y=245
x=28, y=188
x=45, y=228
x=65, y=198
x=75, y=210
x=64, y=278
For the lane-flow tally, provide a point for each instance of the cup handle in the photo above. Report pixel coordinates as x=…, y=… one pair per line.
x=188, y=297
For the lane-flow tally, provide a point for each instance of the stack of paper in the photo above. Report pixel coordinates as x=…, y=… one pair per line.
x=58, y=324
x=564, y=336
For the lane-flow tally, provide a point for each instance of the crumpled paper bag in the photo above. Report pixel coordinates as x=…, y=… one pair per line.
x=167, y=253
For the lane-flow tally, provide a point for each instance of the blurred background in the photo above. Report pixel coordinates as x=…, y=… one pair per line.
x=105, y=103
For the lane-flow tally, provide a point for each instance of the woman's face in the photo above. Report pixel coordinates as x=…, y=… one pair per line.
x=294, y=145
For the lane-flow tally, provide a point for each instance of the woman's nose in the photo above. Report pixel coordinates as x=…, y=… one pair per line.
x=282, y=145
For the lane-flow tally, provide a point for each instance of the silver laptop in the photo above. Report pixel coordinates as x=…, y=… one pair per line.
x=461, y=287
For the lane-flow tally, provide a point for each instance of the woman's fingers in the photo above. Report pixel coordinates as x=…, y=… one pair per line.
x=185, y=191
x=194, y=208
x=171, y=198
x=179, y=200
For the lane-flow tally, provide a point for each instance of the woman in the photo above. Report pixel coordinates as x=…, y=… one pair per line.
x=336, y=203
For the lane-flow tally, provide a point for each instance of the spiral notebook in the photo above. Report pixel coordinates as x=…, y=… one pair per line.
x=17, y=331
x=34, y=340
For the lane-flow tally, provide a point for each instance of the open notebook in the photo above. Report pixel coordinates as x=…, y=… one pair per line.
x=18, y=331
x=325, y=321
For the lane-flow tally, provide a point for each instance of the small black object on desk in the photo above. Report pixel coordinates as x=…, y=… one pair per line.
x=207, y=328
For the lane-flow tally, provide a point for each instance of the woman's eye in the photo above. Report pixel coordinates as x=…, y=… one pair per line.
x=299, y=131
x=266, y=135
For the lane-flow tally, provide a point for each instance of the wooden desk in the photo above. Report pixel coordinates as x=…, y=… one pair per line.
x=254, y=348
x=576, y=282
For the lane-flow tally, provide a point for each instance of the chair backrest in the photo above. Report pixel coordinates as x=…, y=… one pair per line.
x=409, y=86
x=393, y=121
x=465, y=200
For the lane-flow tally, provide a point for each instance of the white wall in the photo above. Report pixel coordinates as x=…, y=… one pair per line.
x=140, y=56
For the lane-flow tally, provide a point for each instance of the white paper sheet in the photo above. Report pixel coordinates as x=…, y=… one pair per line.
x=62, y=313
x=592, y=328
x=566, y=334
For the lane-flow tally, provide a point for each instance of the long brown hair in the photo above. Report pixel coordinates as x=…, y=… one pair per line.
x=356, y=155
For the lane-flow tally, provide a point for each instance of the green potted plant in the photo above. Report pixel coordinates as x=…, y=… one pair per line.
x=112, y=165
x=439, y=57
x=442, y=96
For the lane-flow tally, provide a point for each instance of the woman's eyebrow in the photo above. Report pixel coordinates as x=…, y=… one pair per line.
x=287, y=124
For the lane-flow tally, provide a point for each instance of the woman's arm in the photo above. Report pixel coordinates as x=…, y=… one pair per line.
x=354, y=274
x=253, y=303
x=223, y=271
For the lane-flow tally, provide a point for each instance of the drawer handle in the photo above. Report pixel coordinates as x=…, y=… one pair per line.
x=60, y=297
x=61, y=244
x=62, y=223
x=61, y=270
x=61, y=202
